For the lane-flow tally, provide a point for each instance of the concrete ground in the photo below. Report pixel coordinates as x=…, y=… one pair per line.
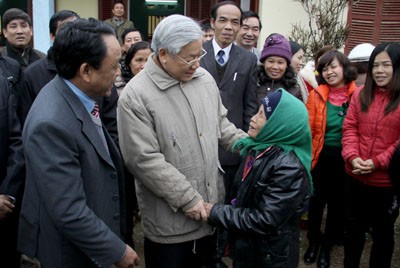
x=336, y=255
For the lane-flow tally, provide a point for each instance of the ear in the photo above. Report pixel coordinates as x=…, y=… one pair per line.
x=5, y=32
x=212, y=23
x=162, y=55
x=85, y=71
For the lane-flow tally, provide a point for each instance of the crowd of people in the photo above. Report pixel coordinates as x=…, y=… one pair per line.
x=219, y=148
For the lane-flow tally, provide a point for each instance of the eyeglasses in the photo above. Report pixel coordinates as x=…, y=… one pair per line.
x=195, y=60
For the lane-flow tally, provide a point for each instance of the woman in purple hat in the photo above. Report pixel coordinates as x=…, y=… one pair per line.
x=275, y=71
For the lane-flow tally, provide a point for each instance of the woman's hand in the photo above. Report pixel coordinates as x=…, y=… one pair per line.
x=361, y=167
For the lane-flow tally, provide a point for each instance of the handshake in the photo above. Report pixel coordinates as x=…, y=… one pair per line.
x=200, y=211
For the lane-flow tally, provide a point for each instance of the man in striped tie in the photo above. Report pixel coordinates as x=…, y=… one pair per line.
x=73, y=211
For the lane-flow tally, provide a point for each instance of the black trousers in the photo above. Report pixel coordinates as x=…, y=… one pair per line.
x=9, y=257
x=372, y=209
x=194, y=254
x=329, y=190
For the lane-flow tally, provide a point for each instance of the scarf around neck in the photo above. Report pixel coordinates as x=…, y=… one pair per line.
x=287, y=128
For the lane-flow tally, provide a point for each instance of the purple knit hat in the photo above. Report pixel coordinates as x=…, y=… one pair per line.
x=276, y=45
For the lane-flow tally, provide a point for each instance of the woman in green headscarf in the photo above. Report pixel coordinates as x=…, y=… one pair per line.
x=271, y=188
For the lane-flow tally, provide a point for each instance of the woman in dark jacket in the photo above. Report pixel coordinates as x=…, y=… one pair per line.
x=271, y=187
x=275, y=71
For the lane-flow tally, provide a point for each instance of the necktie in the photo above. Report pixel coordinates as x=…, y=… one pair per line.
x=220, y=59
x=95, y=110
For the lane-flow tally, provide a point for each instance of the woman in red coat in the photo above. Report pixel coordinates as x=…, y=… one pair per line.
x=371, y=132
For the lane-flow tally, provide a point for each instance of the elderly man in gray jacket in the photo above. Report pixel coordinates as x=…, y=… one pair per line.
x=170, y=122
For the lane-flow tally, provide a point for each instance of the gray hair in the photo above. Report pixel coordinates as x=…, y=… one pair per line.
x=175, y=32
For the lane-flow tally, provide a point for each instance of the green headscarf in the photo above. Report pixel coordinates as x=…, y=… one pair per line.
x=287, y=128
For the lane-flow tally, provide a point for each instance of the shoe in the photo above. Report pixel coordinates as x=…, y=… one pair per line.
x=311, y=254
x=324, y=258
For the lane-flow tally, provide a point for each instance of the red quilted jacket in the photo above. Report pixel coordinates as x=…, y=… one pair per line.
x=371, y=135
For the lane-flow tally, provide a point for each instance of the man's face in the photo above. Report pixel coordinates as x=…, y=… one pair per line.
x=118, y=10
x=249, y=33
x=18, y=33
x=208, y=35
x=130, y=39
x=226, y=25
x=177, y=65
x=101, y=80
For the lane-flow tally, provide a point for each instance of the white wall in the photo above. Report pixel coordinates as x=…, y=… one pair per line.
x=278, y=16
x=85, y=8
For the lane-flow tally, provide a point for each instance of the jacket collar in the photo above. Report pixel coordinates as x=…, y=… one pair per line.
x=323, y=90
x=88, y=128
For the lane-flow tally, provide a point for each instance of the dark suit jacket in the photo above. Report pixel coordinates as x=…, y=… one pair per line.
x=237, y=88
x=72, y=211
x=39, y=73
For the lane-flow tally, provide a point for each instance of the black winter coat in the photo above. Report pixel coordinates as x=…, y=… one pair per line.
x=264, y=223
x=12, y=163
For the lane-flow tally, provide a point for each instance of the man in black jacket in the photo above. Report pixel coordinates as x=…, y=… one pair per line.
x=12, y=175
x=17, y=29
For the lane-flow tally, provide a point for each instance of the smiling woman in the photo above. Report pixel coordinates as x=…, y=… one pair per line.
x=371, y=132
x=271, y=186
x=327, y=106
x=275, y=71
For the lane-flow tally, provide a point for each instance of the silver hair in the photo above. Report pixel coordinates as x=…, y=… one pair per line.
x=175, y=32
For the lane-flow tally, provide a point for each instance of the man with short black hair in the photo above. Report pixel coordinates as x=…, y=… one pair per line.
x=17, y=29
x=73, y=209
x=249, y=32
x=117, y=21
x=233, y=69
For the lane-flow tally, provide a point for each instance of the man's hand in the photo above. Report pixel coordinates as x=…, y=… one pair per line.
x=6, y=206
x=197, y=212
x=129, y=260
x=208, y=207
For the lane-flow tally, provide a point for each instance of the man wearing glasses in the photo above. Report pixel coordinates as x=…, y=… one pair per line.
x=170, y=122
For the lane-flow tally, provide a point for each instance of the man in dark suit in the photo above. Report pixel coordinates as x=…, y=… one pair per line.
x=11, y=176
x=73, y=207
x=234, y=73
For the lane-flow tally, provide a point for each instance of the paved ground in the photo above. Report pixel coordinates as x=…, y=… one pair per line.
x=336, y=255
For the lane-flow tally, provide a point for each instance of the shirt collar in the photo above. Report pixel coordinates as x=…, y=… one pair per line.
x=87, y=102
x=217, y=48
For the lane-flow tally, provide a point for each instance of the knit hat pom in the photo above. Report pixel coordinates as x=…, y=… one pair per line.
x=276, y=45
x=270, y=102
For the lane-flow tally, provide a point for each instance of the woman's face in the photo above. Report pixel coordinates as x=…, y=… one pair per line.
x=382, y=70
x=297, y=61
x=275, y=67
x=257, y=123
x=138, y=61
x=333, y=74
